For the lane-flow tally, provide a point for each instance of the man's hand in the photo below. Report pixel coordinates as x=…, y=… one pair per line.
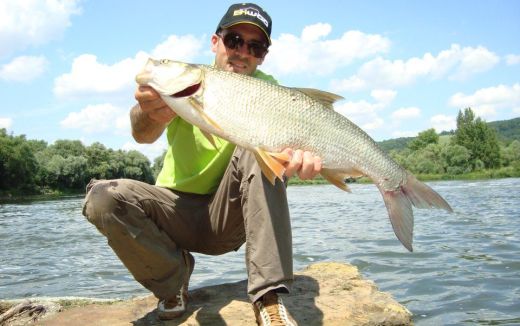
x=150, y=117
x=152, y=105
x=305, y=164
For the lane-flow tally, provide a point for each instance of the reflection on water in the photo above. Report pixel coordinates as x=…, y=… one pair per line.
x=465, y=268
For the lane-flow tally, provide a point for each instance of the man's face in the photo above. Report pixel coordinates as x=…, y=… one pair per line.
x=238, y=60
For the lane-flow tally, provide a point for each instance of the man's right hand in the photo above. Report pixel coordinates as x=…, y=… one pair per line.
x=153, y=106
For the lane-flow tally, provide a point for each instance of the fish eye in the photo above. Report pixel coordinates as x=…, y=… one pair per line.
x=165, y=61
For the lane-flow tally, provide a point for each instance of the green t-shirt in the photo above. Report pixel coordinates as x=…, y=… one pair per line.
x=192, y=164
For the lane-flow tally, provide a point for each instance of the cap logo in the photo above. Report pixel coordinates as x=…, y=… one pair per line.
x=253, y=12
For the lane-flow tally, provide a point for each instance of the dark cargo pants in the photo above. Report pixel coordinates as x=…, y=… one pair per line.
x=149, y=227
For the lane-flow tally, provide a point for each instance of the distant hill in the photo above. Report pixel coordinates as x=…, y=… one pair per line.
x=507, y=131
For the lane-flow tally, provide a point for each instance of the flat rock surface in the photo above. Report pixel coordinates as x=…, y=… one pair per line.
x=323, y=294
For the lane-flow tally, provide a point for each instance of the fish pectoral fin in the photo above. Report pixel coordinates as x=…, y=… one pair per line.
x=270, y=166
x=200, y=108
x=210, y=138
x=325, y=98
x=337, y=178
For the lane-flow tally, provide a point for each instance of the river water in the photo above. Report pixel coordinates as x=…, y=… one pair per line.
x=465, y=268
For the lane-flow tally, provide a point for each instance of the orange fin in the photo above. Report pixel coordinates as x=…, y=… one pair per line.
x=336, y=178
x=280, y=156
x=270, y=166
x=200, y=108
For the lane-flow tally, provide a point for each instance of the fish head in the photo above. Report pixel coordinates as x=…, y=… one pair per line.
x=169, y=77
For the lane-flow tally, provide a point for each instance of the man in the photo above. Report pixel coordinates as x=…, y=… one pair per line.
x=206, y=199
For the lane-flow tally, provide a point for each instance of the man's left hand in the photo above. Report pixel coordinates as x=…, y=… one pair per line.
x=304, y=163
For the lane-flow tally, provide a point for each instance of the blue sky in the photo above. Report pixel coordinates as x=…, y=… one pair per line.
x=67, y=67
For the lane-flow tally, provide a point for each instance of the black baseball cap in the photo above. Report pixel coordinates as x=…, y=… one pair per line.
x=247, y=13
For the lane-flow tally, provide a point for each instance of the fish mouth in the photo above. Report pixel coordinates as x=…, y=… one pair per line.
x=188, y=91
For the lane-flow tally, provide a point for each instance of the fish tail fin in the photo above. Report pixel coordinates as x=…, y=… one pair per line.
x=399, y=205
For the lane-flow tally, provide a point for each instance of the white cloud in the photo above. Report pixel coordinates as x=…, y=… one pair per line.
x=365, y=114
x=312, y=53
x=383, y=96
x=473, y=61
x=6, y=123
x=99, y=118
x=406, y=113
x=351, y=84
x=443, y=122
x=456, y=63
x=181, y=48
x=512, y=59
x=25, y=23
x=90, y=77
x=152, y=151
x=23, y=68
x=486, y=101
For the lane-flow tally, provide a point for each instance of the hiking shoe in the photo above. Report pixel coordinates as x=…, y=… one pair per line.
x=176, y=306
x=270, y=311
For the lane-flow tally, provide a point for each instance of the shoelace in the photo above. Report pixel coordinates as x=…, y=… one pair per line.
x=273, y=311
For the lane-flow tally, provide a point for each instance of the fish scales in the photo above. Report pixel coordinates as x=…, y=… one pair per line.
x=303, y=123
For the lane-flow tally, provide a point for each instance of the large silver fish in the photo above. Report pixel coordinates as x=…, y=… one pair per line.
x=266, y=118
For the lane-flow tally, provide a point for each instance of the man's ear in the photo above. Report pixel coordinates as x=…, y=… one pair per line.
x=214, y=43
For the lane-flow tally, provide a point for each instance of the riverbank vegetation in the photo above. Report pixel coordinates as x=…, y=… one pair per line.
x=475, y=150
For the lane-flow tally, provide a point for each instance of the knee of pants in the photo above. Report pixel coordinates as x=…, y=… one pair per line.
x=102, y=204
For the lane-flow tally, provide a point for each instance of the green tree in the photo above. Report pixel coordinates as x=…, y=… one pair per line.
x=99, y=160
x=478, y=138
x=424, y=138
x=456, y=158
x=18, y=166
x=67, y=148
x=137, y=166
x=427, y=160
x=511, y=153
x=158, y=164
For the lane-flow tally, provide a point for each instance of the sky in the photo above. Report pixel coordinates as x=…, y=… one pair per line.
x=67, y=68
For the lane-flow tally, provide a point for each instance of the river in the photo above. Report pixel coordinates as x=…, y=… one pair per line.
x=465, y=268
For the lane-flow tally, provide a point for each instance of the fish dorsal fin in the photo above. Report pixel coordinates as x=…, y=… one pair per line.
x=323, y=97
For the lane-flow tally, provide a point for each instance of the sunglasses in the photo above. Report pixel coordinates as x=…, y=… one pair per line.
x=234, y=41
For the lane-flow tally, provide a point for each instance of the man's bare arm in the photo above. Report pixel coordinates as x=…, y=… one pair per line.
x=150, y=116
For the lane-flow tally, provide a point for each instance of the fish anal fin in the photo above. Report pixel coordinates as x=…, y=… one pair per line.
x=335, y=177
x=325, y=98
x=200, y=108
x=270, y=166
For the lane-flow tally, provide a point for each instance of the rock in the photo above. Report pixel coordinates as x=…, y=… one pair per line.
x=323, y=294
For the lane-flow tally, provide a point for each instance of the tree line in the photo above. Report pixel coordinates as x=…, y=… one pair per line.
x=34, y=167
x=473, y=148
